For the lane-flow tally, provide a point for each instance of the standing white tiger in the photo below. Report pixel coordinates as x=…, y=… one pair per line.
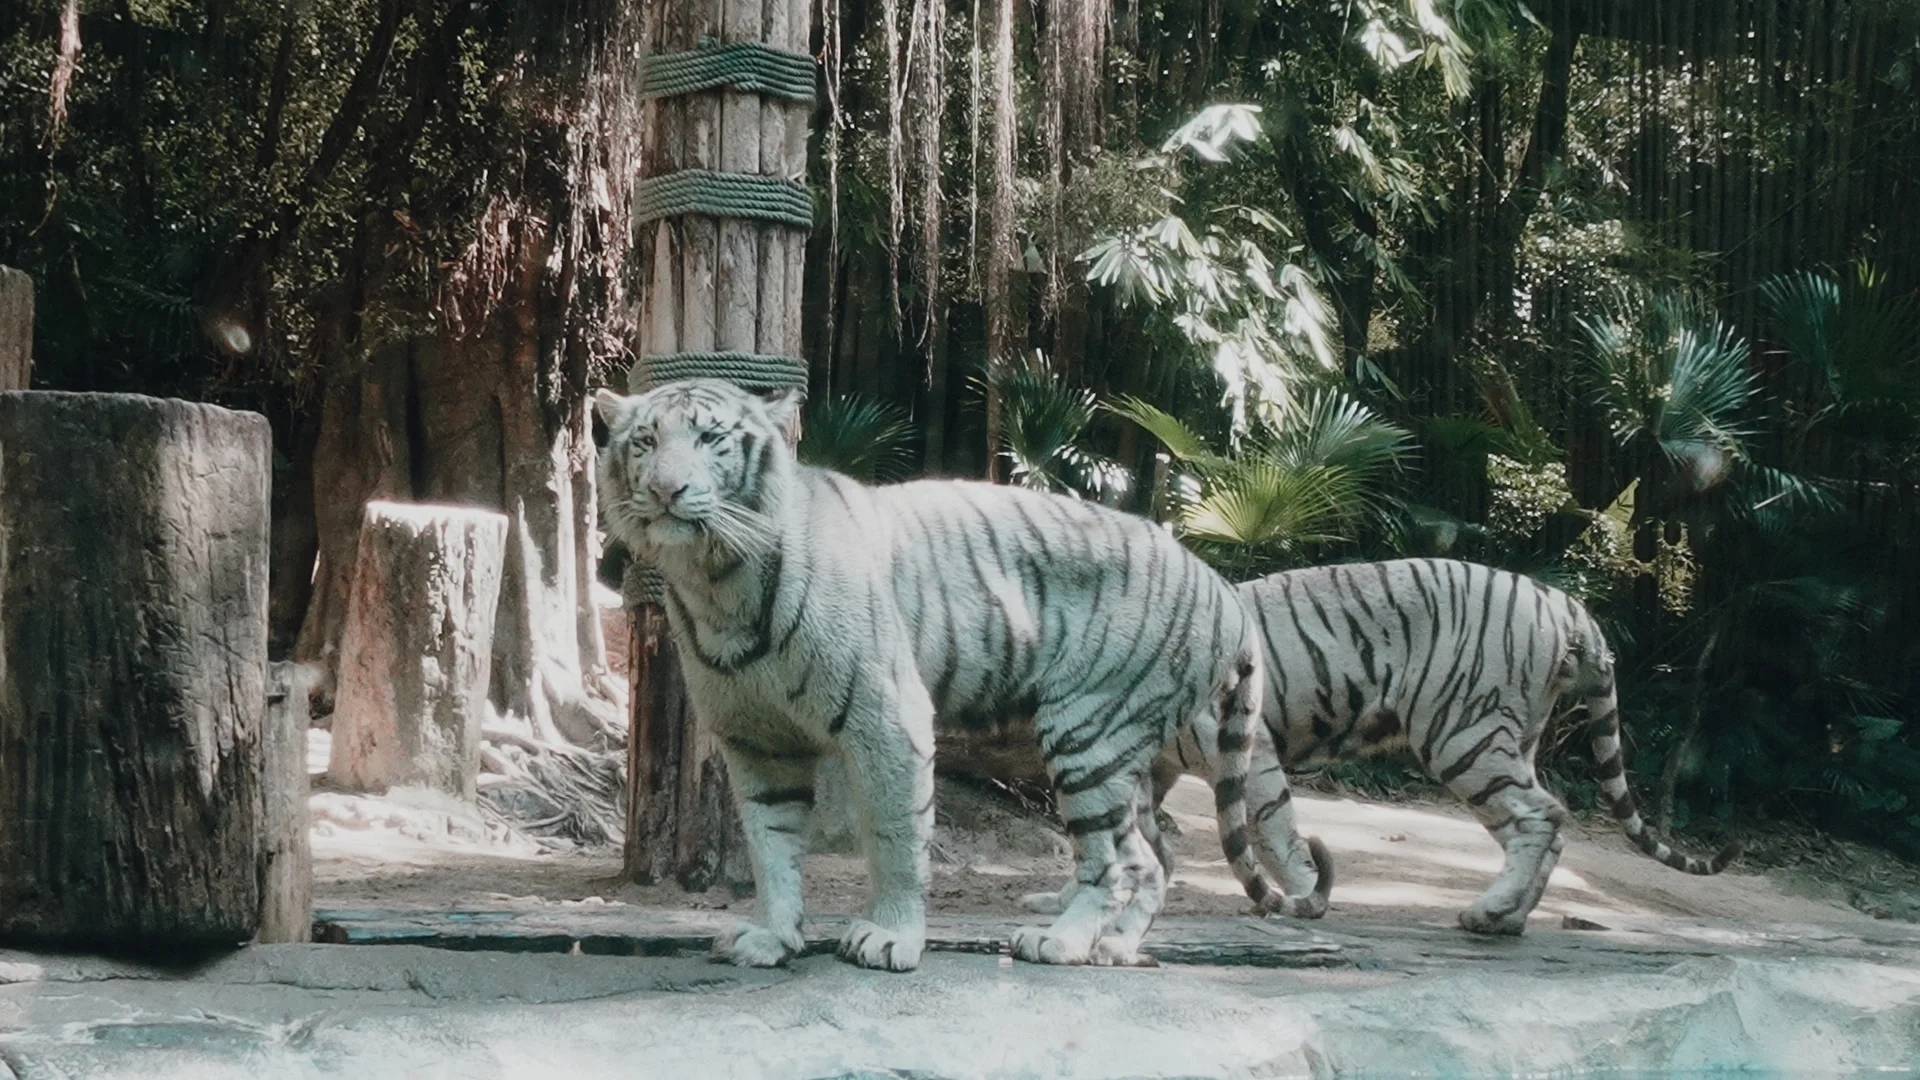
x=1460, y=663
x=815, y=615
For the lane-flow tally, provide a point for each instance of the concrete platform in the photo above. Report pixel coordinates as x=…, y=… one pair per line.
x=1319, y=1001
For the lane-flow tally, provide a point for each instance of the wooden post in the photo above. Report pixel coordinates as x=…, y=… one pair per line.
x=286, y=859
x=16, y=329
x=418, y=648
x=133, y=658
x=716, y=284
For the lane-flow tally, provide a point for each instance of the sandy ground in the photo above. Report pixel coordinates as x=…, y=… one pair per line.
x=1414, y=863
x=1764, y=972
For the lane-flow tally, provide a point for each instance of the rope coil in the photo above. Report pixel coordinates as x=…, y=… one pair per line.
x=641, y=585
x=753, y=371
x=723, y=194
x=747, y=66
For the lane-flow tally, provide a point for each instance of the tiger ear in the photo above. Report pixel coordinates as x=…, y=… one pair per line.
x=783, y=408
x=611, y=407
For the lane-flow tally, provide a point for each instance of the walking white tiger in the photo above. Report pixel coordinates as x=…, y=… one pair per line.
x=815, y=615
x=1460, y=663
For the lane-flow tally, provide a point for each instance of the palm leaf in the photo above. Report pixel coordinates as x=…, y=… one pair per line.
x=859, y=436
x=1267, y=505
x=1180, y=440
x=1329, y=428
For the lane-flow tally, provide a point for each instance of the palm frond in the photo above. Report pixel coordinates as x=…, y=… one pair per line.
x=866, y=439
x=1708, y=386
x=1044, y=422
x=1180, y=440
x=1328, y=428
x=1266, y=505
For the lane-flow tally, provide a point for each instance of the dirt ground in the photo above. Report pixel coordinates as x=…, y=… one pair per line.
x=544, y=965
x=1416, y=863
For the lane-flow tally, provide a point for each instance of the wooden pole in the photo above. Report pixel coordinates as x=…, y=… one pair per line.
x=16, y=329
x=716, y=284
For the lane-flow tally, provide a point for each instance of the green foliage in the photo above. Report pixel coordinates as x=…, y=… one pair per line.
x=1676, y=386
x=1044, y=432
x=1260, y=322
x=867, y=439
x=1319, y=477
x=1855, y=339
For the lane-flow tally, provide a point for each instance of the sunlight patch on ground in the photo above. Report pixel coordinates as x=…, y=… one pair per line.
x=997, y=870
x=407, y=826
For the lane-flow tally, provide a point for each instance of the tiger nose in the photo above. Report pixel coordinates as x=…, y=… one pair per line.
x=666, y=491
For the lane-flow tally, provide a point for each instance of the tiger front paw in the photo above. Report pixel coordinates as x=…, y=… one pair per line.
x=747, y=945
x=873, y=946
x=1114, y=952
x=1038, y=946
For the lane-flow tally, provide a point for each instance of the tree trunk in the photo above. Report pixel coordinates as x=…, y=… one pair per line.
x=418, y=649
x=681, y=824
x=133, y=651
x=16, y=329
x=286, y=859
x=1000, y=214
x=361, y=452
x=715, y=284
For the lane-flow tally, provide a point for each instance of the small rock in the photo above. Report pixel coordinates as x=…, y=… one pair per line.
x=1395, y=838
x=1575, y=922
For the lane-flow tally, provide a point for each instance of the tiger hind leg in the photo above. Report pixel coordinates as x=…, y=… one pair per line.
x=1146, y=803
x=1120, y=945
x=1526, y=821
x=1100, y=821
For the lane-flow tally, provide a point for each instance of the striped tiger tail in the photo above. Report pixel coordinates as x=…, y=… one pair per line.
x=1233, y=762
x=1609, y=769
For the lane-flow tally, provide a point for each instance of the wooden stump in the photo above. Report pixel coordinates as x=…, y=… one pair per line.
x=286, y=859
x=133, y=651
x=417, y=650
x=16, y=329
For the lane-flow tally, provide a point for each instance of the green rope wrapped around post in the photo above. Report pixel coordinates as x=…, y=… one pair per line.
x=750, y=370
x=723, y=194
x=641, y=585
x=747, y=66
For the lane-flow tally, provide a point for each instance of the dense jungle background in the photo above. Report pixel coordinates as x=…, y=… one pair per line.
x=1619, y=293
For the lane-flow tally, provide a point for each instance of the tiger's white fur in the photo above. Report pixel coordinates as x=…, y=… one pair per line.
x=1460, y=663
x=815, y=616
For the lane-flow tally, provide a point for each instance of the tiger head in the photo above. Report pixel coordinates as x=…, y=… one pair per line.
x=694, y=462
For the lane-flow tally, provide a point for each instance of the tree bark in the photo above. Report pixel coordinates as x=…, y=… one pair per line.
x=286, y=859
x=418, y=649
x=1000, y=212
x=133, y=650
x=714, y=284
x=16, y=329
x=681, y=824
x=361, y=452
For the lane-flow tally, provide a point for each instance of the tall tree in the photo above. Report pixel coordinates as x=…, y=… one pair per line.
x=1000, y=253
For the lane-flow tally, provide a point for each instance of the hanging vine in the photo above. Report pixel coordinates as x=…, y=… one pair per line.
x=833, y=62
x=930, y=115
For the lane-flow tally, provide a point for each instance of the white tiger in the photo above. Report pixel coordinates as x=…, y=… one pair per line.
x=1460, y=663
x=815, y=615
